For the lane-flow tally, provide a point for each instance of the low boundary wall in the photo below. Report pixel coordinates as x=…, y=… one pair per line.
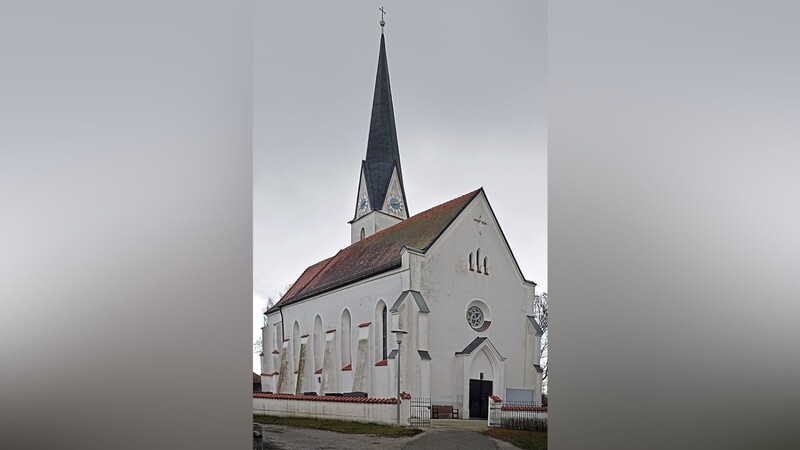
x=517, y=415
x=355, y=409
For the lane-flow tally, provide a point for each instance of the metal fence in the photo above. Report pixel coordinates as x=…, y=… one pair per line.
x=420, y=412
x=518, y=415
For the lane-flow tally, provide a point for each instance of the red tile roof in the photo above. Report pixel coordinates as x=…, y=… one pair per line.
x=524, y=408
x=376, y=253
x=305, y=277
x=256, y=378
x=390, y=401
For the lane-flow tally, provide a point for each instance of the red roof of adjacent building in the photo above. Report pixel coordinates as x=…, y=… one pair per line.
x=376, y=253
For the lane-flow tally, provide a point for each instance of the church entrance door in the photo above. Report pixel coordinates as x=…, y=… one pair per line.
x=479, y=392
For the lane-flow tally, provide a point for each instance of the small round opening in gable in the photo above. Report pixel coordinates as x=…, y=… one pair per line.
x=478, y=315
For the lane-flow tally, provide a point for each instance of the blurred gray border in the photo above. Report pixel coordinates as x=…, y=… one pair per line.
x=125, y=185
x=125, y=224
x=674, y=262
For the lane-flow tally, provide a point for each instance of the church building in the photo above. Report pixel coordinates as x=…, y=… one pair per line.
x=446, y=276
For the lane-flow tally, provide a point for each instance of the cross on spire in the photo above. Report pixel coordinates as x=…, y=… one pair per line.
x=382, y=21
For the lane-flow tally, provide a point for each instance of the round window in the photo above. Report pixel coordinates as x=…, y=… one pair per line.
x=475, y=317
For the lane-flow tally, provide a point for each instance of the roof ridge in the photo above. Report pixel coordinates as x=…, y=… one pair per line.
x=380, y=251
x=417, y=215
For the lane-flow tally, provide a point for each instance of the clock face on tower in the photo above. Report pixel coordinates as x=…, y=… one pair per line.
x=395, y=204
x=363, y=203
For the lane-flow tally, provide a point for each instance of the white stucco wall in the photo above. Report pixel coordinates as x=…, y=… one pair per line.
x=448, y=287
x=360, y=299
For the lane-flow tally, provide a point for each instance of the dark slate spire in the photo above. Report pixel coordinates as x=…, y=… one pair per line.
x=383, y=152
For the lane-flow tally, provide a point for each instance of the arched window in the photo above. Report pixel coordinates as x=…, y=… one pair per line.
x=345, y=338
x=381, y=330
x=296, y=346
x=478, y=254
x=471, y=265
x=486, y=265
x=319, y=343
x=385, y=330
x=362, y=232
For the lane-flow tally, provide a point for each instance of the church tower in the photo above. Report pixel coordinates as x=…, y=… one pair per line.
x=381, y=199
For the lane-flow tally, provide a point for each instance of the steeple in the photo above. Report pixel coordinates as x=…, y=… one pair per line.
x=383, y=153
x=381, y=184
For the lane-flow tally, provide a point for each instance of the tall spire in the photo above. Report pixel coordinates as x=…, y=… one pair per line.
x=381, y=198
x=383, y=153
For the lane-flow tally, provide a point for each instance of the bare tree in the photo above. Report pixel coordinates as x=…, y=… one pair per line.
x=258, y=345
x=540, y=313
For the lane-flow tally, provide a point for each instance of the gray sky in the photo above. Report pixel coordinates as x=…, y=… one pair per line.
x=468, y=85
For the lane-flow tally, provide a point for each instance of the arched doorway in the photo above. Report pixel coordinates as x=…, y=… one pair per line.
x=481, y=373
x=481, y=382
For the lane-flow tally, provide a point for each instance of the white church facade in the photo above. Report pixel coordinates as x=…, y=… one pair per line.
x=446, y=276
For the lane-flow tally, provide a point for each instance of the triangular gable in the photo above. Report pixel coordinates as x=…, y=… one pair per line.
x=363, y=181
x=505, y=241
x=417, y=296
x=395, y=187
x=477, y=344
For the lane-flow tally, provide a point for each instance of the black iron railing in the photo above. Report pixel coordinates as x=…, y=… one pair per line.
x=420, y=412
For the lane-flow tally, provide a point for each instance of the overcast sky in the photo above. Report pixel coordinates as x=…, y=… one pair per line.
x=468, y=83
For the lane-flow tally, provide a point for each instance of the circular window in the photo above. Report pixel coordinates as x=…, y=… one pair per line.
x=475, y=317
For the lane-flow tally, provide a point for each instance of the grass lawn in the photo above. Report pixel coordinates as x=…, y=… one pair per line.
x=339, y=426
x=527, y=440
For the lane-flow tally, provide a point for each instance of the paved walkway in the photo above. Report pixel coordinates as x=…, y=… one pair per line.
x=444, y=435
x=444, y=439
x=458, y=424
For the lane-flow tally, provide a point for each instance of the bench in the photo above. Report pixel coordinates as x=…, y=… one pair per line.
x=444, y=412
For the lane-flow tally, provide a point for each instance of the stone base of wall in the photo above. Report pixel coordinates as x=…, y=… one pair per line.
x=367, y=410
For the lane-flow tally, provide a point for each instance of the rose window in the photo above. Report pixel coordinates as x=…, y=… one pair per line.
x=474, y=317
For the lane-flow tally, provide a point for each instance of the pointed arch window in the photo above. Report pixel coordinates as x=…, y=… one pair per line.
x=296, y=346
x=471, y=264
x=344, y=331
x=486, y=265
x=385, y=332
x=478, y=262
x=381, y=331
x=319, y=342
x=362, y=232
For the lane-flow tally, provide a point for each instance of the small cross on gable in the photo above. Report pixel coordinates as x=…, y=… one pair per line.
x=480, y=223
